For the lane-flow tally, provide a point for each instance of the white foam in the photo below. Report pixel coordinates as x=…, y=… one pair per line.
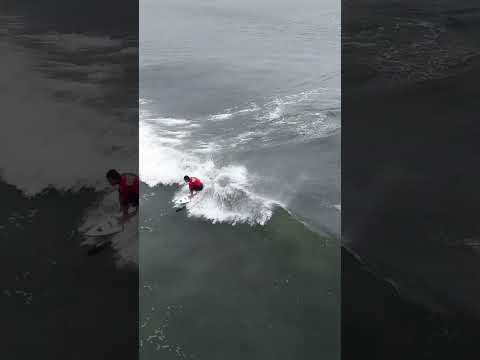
x=319, y=126
x=220, y=117
x=170, y=121
x=254, y=107
x=231, y=113
x=278, y=111
x=228, y=195
x=159, y=163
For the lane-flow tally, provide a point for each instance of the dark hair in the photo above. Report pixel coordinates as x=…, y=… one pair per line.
x=113, y=174
x=186, y=178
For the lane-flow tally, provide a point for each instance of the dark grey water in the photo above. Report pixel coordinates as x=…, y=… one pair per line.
x=66, y=99
x=412, y=209
x=246, y=96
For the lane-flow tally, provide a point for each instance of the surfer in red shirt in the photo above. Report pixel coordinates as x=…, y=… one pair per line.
x=194, y=184
x=128, y=190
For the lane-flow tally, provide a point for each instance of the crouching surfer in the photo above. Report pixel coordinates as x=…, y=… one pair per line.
x=194, y=184
x=128, y=191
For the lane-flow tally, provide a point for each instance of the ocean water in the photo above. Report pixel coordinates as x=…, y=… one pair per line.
x=66, y=95
x=245, y=96
x=77, y=122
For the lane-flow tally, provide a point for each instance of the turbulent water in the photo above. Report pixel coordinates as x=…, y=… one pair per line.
x=248, y=100
x=245, y=96
x=75, y=124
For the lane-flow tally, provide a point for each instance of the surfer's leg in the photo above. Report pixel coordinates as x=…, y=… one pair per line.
x=133, y=201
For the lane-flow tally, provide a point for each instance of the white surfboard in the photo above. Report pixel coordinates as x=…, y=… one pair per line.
x=183, y=201
x=108, y=226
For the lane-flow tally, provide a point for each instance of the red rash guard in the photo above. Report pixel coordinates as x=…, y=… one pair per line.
x=195, y=184
x=128, y=189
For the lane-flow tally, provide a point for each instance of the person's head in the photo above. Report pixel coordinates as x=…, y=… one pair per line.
x=186, y=178
x=113, y=177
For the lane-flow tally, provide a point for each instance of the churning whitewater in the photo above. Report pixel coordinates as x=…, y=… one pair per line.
x=172, y=147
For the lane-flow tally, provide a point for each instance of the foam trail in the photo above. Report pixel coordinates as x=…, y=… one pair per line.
x=220, y=117
x=227, y=115
x=171, y=121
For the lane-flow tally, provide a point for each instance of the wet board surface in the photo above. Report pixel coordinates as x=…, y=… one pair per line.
x=183, y=201
x=106, y=227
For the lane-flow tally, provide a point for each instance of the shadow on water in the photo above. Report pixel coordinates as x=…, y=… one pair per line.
x=54, y=297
